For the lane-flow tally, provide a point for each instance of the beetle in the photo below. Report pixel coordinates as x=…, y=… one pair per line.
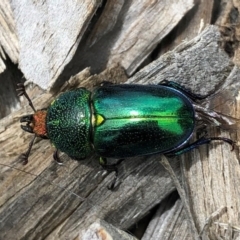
x=117, y=121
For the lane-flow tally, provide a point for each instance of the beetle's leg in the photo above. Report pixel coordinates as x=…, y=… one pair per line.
x=110, y=168
x=199, y=142
x=187, y=92
x=105, y=83
x=22, y=91
x=56, y=158
x=24, y=156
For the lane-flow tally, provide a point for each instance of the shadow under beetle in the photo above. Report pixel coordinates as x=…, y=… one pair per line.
x=117, y=121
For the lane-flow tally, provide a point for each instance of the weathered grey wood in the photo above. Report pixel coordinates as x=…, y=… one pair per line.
x=8, y=96
x=49, y=47
x=101, y=230
x=49, y=33
x=228, y=19
x=169, y=222
x=190, y=26
x=32, y=207
x=216, y=176
x=125, y=33
x=184, y=201
x=136, y=35
x=185, y=65
x=9, y=50
x=8, y=36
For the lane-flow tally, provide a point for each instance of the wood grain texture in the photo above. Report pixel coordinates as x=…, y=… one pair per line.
x=53, y=29
x=227, y=20
x=190, y=26
x=8, y=36
x=9, y=53
x=103, y=230
x=172, y=211
x=125, y=33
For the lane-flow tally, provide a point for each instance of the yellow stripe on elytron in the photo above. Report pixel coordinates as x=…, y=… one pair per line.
x=53, y=102
x=99, y=119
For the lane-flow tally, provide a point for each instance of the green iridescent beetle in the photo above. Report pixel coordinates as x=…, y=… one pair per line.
x=118, y=121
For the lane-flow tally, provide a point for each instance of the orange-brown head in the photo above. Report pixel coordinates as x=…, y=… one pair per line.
x=35, y=123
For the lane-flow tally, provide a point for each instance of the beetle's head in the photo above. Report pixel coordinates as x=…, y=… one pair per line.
x=35, y=123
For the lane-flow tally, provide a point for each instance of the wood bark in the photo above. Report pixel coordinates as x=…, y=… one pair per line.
x=55, y=40
x=45, y=201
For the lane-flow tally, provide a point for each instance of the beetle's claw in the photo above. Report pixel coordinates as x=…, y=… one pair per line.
x=112, y=186
x=229, y=141
x=23, y=158
x=233, y=146
x=21, y=90
x=56, y=158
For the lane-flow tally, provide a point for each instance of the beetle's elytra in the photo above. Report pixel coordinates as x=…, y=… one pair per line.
x=118, y=121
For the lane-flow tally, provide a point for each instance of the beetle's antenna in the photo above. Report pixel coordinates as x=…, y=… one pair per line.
x=24, y=156
x=22, y=91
